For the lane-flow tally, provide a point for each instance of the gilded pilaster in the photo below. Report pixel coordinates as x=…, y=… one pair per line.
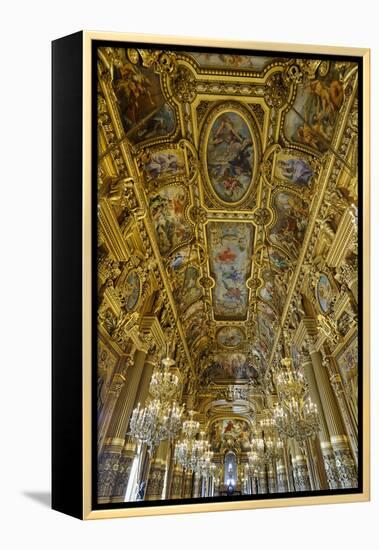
x=115, y=441
x=177, y=481
x=327, y=473
x=156, y=480
x=271, y=479
x=282, y=480
x=262, y=482
x=344, y=461
x=187, y=493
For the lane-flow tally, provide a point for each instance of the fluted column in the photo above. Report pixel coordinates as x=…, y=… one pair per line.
x=301, y=471
x=196, y=486
x=128, y=454
x=176, y=484
x=156, y=476
x=271, y=478
x=282, y=478
x=187, y=492
x=288, y=468
x=327, y=469
x=126, y=458
x=262, y=481
x=299, y=468
x=155, y=480
x=350, y=416
x=343, y=457
x=147, y=373
x=105, y=416
x=115, y=441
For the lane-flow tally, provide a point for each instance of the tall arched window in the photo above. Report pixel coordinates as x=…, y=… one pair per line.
x=230, y=469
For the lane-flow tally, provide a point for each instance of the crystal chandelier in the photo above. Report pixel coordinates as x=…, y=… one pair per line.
x=256, y=462
x=295, y=416
x=205, y=465
x=256, y=456
x=155, y=423
x=190, y=451
x=161, y=418
x=290, y=383
x=273, y=444
x=164, y=385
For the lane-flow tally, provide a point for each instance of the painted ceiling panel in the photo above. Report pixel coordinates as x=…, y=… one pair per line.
x=228, y=149
x=230, y=247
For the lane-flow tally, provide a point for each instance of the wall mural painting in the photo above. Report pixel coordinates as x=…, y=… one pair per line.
x=293, y=169
x=194, y=309
x=312, y=119
x=278, y=260
x=261, y=347
x=266, y=330
x=324, y=293
x=230, y=433
x=267, y=322
x=230, y=247
x=274, y=289
x=167, y=211
x=144, y=112
x=195, y=329
x=180, y=258
x=230, y=157
x=267, y=311
x=231, y=60
x=164, y=164
x=230, y=337
x=292, y=219
x=229, y=366
x=186, y=290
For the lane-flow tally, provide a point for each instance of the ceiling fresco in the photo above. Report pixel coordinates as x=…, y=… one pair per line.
x=230, y=157
x=229, y=149
x=257, y=63
x=230, y=253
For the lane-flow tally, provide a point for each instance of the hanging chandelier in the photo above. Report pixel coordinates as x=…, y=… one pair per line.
x=290, y=382
x=164, y=385
x=205, y=465
x=161, y=418
x=256, y=456
x=156, y=422
x=190, y=451
x=295, y=415
x=273, y=444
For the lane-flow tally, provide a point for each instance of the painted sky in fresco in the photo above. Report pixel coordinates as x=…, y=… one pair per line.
x=230, y=246
x=230, y=157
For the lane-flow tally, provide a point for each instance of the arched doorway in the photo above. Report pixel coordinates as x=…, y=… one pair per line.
x=230, y=472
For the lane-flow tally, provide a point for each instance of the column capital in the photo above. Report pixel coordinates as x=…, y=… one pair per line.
x=306, y=328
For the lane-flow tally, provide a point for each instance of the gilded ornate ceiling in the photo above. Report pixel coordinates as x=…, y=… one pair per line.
x=231, y=153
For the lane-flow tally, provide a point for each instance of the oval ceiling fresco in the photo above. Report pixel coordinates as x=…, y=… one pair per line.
x=230, y=156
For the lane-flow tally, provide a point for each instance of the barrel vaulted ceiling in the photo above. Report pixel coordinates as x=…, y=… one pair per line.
x=230, y=152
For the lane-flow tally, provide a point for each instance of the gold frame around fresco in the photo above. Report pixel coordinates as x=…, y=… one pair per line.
x=87, y=511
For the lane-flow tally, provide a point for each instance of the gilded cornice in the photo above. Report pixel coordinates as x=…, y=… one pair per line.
x=343, y=241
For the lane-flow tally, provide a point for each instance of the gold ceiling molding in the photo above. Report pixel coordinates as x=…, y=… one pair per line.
x=178, y=196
